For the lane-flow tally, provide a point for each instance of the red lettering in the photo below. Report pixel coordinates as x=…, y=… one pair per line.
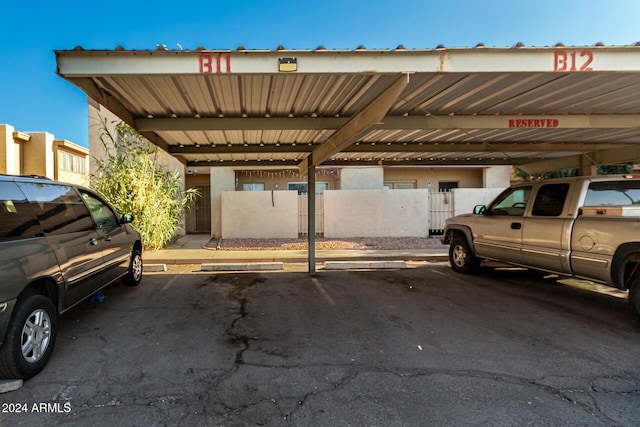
x=563, y=61
x=206, y=63
x=534, y=123
x=587, y=65
x=573, y=62
x=559, y=61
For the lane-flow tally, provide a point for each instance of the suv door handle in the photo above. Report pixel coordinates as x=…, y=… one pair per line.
x=516, y=225
x=93, y=241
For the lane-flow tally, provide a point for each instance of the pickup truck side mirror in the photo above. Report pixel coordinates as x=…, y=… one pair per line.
x=479, y=209
x=126, y=218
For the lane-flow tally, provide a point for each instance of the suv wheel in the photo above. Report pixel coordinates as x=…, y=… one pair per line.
x=461, y=258
x=134, y=275
x=30, y=338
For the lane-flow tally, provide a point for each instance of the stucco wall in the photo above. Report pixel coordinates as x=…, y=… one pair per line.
x=376, y=213
x=365, y=178
x=259, y=214
x=39, y=155
x=221, y=180
x=422, y=177
x=9, y=151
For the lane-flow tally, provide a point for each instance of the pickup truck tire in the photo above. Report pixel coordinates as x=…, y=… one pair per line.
x=461, y=257
x=634, y=297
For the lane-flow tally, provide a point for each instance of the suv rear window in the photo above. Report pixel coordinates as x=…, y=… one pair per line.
x=613, y=193
x=58, y=207
x=17, y=220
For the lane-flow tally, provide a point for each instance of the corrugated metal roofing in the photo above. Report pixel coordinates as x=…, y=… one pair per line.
x=285, y=115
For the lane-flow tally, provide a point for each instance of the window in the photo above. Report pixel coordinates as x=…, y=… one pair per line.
x=253, y=186
x=17, y=219
x=512, y=202
x=102, y=215
x=613, y=193
x=447, y=185
x=72, y=163
x=58, y=207
x=302, y=187
x=400, y=185
x=550, y=200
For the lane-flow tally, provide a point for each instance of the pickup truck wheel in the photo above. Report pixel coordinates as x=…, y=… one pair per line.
x=30, y=338
x=461, y=258
x=634, y=297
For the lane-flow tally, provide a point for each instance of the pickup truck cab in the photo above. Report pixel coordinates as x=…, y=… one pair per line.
x=586, y=227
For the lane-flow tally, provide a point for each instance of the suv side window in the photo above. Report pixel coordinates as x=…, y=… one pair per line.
x=550, y=200
x=512, y=202
x=58, y=207
x=17, y=220
x=102, y=214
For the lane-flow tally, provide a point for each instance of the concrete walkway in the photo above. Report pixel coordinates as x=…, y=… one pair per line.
x=190, y=249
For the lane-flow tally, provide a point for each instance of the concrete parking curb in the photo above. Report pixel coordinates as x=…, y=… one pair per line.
x=247, y=266
x=354, y=265
x=10, y=385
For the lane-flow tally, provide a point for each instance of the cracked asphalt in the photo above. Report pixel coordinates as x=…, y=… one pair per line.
x=422, y=346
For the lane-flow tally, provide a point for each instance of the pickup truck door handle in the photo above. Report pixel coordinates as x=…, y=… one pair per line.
x=516, y=225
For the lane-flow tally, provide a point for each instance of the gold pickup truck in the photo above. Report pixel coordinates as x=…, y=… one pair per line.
x=586, y=227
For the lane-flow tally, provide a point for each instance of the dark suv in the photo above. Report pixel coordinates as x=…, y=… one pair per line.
x=59, y=244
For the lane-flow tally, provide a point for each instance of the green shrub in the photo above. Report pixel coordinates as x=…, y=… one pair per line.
x=130, y=178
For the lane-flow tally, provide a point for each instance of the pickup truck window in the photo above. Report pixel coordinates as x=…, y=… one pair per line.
x=613, y=193
x=512, y=202
x=550, y=200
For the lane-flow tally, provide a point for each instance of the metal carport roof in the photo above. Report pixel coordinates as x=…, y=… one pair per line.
x=543, y=108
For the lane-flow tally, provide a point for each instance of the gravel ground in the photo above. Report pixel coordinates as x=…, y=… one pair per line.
x=388, y=243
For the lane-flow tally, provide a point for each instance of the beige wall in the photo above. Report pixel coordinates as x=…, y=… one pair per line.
x=280, y=178
x=362, y=178
x=376, y=213
x=39, y=155
x=466, y=177
x=221, y=180
x=9, y=151
x=259, y=214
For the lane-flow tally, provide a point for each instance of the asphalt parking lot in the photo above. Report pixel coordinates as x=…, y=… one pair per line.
x=421, y=346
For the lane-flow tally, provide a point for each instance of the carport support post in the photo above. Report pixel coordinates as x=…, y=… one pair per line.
x=311, y=218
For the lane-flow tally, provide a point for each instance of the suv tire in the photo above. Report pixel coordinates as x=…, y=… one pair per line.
x=134, y=275
x=30, y=338
x=461, y=258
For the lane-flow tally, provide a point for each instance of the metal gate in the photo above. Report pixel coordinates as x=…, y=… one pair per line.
x=440, y=208
x=303, y=216
x=199, y=216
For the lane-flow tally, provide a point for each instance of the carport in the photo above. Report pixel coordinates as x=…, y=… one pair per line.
x=541, y=108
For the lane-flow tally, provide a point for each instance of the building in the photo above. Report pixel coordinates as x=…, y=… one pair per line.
x=40, y=153
x=365, y=120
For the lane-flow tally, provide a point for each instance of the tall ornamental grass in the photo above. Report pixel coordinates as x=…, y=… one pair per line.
x=131, y=179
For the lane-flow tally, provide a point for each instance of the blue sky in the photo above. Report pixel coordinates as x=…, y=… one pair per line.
x=34, y=98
